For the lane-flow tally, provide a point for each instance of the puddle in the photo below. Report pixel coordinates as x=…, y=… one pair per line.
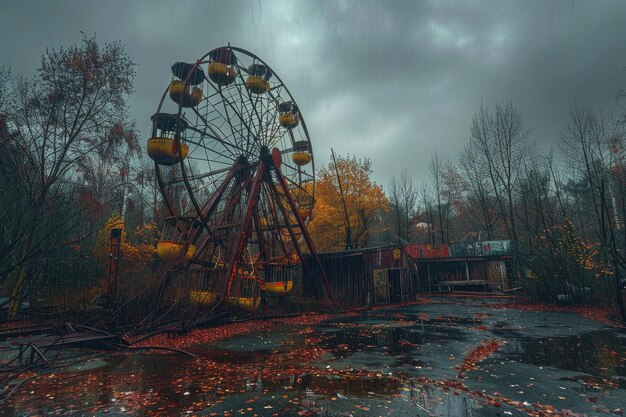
x=363, y=365
x=598, y=353
x=237, y=357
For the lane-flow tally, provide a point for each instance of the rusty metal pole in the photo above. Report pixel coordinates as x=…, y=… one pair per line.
x=114, y=262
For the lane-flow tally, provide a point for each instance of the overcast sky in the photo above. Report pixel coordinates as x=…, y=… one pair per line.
x=390, y=80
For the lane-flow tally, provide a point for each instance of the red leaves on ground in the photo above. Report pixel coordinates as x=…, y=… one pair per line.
x=214, y=334
x=478, y=354
x=599, y=314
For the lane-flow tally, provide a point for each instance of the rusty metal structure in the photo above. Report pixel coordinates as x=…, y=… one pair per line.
x=234, y=164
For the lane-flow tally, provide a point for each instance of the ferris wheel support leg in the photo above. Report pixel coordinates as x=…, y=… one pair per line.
x=243, y=237
x=209, y=207
x=207, y=211
x=283, y=212
x=262, y=244
x=305, y=233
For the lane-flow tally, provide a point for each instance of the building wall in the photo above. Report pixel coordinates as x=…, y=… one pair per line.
x=352, y=276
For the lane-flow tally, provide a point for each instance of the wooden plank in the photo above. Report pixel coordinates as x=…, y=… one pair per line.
x=72, y=339
x=466, y=282
x=22, y=331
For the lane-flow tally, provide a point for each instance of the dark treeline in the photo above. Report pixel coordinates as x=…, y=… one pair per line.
x=70, y=160
x=563, y=211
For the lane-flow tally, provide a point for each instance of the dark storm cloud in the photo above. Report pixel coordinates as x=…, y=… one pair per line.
x=393, y=81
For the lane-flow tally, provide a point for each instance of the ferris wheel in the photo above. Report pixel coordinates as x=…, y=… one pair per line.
x=235, y=167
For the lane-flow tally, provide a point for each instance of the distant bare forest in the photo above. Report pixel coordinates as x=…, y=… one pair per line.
x=564, y=210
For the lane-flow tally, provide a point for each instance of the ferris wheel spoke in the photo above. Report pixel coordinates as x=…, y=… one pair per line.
x=262, y=105
x=293, y=185
x=277, y=87
x=275, y=99
x=180, y=180
x=253, y=105
x=198, y=145
x=291, y=167
x=252, y=126
x=270, y=205
x=226, y=104
x=275, y=133
x=214, y=136
x=209, y=159
x=227, y=145
x=209, y=125
x=203, y=159
x=218, y=121
x=210, y=96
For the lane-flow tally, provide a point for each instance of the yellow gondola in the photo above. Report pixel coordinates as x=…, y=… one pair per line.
x=223, y=66
x=279, y=277
x=258, y=80
x=257, y=85
x=222, y=74
x=202, y=298
x=301, y=153
x=162, y=146
x=245, y=303
x=288, y=115
x=165, y=152
x=301, y=158
x=279, y=287
x=289, y=120
x=183, y=95
x=169, y=250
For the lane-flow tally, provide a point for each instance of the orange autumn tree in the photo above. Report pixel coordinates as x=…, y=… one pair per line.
x=365, y=200
x=137, y=251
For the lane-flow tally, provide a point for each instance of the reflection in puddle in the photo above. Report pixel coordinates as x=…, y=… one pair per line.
x=598, y=353
x=356, y=335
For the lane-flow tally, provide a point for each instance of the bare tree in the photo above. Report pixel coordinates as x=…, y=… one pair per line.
x=475, y=193
x=499, y=141
x=70, y=109
x=403, y=196
x=591, y=144
x=436, y=172
x=428, y=212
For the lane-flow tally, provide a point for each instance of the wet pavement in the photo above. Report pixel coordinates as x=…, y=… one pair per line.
x=444, y=358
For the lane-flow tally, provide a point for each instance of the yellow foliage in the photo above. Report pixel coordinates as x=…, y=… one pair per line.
x=364, y=201
x=137, y=247
x=585, y=254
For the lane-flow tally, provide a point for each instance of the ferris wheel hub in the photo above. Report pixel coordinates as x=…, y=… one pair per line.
x=242, y=166
x=277, y=157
